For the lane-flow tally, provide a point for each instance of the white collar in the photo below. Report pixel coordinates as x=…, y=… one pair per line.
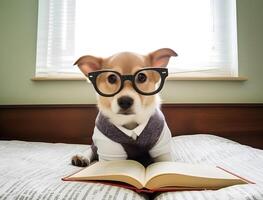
x=134, y=133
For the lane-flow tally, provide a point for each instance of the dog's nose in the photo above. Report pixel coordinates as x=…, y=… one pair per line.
x=125, y=102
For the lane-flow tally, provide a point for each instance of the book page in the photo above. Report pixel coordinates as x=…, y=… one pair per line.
x=204, y=171
x=113, y=169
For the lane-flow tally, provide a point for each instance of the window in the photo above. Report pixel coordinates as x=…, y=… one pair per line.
x=203, y=33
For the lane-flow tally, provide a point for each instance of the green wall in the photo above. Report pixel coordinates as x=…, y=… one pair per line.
x=18, y=25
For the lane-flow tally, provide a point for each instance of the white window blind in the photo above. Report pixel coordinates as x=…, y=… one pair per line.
x=203, y=33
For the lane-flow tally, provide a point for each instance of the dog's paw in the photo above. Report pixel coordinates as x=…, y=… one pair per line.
x=80, y=161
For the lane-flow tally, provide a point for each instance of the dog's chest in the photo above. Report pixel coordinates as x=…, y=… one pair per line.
x=136, y=149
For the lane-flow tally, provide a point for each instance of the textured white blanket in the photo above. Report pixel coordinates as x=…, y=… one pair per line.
x=208, y=149
x=33, y=170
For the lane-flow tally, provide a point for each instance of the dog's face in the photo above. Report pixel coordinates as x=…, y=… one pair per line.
x=127, y=106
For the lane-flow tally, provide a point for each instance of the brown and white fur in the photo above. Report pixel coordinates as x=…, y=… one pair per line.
x=143, y=106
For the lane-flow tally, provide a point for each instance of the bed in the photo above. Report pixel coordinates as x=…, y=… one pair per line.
x=37, y=142
x=33, y=170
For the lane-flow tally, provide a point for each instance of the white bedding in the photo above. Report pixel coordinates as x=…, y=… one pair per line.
x=243, y=160
x=33, y=170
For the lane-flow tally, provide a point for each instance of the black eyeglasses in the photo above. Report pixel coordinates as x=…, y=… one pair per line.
x=146, y=81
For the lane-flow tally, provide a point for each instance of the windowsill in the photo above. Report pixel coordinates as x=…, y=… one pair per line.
x=169, y=78
x=206, y=78
x=59, y=78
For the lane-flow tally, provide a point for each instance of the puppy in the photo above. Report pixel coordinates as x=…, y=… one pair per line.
x=130, y=124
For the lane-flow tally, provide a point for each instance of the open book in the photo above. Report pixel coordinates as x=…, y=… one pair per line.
x=160, y=176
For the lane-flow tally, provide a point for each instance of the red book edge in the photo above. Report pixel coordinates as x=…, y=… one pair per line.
x=244, y=179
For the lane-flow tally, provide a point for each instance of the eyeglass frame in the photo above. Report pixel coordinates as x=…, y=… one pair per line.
x=92, y=76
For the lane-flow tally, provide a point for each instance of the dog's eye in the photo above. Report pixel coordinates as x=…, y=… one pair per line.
x=141, y=78
x=112, y=78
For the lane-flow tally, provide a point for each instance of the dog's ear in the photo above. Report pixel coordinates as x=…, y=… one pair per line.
x=160, y=57
x=89, y=63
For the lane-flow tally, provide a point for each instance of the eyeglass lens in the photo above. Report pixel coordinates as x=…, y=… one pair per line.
x=147, y=81
x=108, y=82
